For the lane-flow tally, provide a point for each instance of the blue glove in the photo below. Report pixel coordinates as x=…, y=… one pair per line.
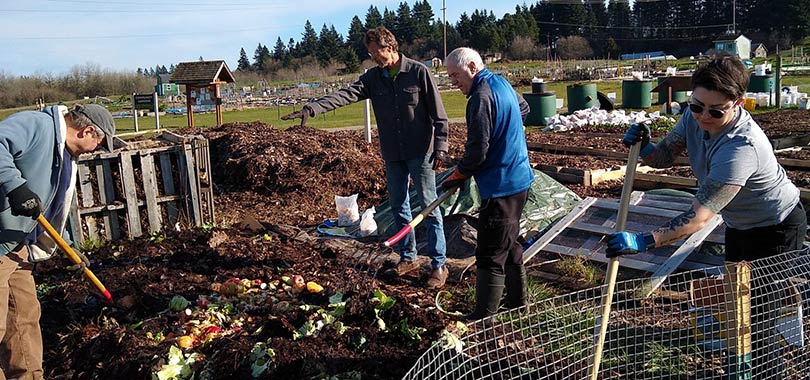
x=626, y=243
x=638, y=133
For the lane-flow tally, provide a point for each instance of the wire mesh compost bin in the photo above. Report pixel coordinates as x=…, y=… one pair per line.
x=146, y=187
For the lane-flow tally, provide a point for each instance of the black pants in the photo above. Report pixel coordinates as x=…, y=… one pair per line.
x=498, y=229
x=760, y=243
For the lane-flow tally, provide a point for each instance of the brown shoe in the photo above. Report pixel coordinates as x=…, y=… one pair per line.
x=437, y=278
x=402, y=268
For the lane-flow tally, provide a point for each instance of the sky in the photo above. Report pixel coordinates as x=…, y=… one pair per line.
x=50, y=37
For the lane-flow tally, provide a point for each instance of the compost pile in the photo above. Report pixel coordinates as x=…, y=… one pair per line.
x=263, y=299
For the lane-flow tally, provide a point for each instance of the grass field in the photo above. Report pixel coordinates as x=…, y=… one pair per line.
x=352, y=115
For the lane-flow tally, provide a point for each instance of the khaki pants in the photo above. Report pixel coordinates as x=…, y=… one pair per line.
x=20, y=336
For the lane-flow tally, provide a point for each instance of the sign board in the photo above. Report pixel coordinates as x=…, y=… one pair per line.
x=203, y=96
x=143, y=101
x=170, y=89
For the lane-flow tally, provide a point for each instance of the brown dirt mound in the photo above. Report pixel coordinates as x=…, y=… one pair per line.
x=299, y=169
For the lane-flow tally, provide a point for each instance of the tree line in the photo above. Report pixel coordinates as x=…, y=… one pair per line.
x=548, y=29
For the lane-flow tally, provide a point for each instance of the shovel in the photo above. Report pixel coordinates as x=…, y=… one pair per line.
x=418, y=219
x=613, y=265
x=72, y=255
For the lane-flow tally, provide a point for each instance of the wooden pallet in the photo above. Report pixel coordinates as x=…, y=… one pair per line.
x=131, y=192
x=582, y=232
x=650, y=180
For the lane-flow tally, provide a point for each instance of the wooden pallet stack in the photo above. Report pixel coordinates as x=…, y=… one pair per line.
x=146, y=187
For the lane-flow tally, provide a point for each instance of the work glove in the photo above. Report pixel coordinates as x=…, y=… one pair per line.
x=305, y=113
x=638, y=133
x=24, y=202
x=626, y=243
x=439, y=159
x=81, y=265
x=454, y=180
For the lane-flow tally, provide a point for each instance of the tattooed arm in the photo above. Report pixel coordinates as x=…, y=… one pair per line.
x=710, y=199
x=664, y=153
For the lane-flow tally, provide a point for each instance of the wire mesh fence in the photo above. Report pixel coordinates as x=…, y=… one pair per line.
x=740, y=321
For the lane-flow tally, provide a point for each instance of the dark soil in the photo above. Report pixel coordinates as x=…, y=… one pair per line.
x=281, y=184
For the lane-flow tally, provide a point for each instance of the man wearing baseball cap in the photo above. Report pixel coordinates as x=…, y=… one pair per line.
x=38, y=153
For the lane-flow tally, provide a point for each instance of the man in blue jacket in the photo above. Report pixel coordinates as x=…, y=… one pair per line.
x=496, y=155
x=38, y=152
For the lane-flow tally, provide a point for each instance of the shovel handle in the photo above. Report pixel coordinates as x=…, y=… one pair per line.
x=72, y=255
x=418, y=219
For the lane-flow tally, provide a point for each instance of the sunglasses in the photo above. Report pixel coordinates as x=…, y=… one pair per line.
x=713, y=112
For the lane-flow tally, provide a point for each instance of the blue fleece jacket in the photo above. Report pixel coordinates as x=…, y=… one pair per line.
x=495, y=152
x=30, y=146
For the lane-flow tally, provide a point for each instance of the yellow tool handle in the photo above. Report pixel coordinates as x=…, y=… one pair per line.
x=72, y=255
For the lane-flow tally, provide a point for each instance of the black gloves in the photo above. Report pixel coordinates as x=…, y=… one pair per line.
x=81, y=265
x=439, y=159
x=305, y=113
x=24, y=202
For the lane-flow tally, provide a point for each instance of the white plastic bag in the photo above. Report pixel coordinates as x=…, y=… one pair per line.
x=347, y=211
x=368, y=226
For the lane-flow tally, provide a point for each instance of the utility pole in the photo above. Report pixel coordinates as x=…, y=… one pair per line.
x=734, y=17
x=444, y=26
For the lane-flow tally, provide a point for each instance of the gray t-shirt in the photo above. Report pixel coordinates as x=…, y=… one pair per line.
x=741, y=155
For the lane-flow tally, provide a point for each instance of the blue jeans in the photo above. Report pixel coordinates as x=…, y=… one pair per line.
x=424, y=179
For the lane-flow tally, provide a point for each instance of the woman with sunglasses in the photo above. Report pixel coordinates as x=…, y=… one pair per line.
x=738, y=176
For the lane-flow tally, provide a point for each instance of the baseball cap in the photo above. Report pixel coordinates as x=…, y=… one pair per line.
x=102, y=119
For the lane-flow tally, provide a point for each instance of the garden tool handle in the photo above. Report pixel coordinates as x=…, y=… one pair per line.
x=418, y=219
x=72, y=255
x=613, y=265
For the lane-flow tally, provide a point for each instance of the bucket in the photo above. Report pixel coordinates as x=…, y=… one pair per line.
x=538, y=86
x=761, y=83
x=804, y=103
x=581, y=96
x=541, y=106
x=636, y=93
x=750, y=104
x=677, y=96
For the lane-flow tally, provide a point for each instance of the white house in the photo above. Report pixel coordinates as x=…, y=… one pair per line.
x=739, y=45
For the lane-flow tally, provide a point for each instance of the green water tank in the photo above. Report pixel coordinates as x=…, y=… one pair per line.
x=581, y=96
x=761, y=83
x=636, y=93
x=677, y=96
x=541, y=106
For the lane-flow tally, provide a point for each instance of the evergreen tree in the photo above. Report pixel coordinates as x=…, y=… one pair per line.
x=618, y=21
x=244, y=63
x=389, y=21
x=329, y=45
x=422, y=15
x=172, y=67
x=349, y=58
x=356, y=39
x=260, y=56
x=405, y=24
x=280, y=50
x=373, y=18
x=309, y=41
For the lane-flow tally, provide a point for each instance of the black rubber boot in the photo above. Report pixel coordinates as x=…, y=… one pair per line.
x=516, y=286
x=488, y=292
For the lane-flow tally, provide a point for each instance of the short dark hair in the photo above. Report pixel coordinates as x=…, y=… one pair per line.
x=723, y=73
x=382, y=37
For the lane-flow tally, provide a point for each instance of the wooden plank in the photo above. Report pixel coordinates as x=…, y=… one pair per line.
x=794, y=163
x=576, y=150
x=168, y=187
x=790, y=141
x=668, y=198
x=667, y=180
x=682, y=207
x=128, y=179
x=613, y=205
x=693, y=242
x=557, y=228
x=151, y=193
x=88, y=199
x=206, y=181
x=76, y=219
x=188, y=171
x=107, y=193
x=139, y=203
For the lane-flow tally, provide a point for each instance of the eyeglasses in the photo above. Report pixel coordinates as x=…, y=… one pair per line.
x=713, y=112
